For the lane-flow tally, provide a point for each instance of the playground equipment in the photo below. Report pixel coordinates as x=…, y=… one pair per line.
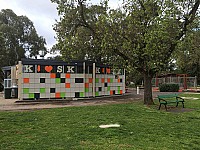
x=182, y=80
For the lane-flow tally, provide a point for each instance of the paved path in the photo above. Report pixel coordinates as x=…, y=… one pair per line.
x=12, y=105
x=16, y=105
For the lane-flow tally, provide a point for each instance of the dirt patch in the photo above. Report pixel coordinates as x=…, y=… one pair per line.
x=174, y=109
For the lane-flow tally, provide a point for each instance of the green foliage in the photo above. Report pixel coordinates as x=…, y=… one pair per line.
x=169, y=87
x=188, y=55
x=140, y=34
x=19, y=37
x=78, y=128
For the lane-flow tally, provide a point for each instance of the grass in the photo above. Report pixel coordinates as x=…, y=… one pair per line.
x=78, y=128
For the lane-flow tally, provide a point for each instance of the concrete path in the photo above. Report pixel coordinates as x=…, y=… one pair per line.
x=16, y=105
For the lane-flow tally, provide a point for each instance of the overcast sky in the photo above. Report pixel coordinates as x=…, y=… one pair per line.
x=42, y=13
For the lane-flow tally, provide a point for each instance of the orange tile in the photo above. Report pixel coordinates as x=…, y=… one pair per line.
x=102, y=80
x=26, y=80
x=121, y=92
x=53, y=75
x=90, y=80
x=67, y=85
x=103, y=70
x=86, y=85
x=119, y=80
x=111, y=92
x=67, y=75
x=108, y=80
x=57, y=95
x=108, y=70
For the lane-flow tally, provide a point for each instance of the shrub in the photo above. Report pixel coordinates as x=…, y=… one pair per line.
x=169, y=87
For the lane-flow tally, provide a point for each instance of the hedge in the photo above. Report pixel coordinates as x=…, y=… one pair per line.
x=169, y=87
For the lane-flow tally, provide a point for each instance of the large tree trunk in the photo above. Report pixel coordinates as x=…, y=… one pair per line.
x=148, y=99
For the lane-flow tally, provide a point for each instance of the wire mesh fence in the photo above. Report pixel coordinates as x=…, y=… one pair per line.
x=184, y=82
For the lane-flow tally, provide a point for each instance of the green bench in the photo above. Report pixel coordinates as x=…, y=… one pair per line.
x=170, y=98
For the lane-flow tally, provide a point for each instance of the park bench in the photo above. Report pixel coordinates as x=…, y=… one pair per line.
x=168, y=99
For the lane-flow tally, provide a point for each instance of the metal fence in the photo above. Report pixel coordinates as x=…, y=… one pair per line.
x=184, y=82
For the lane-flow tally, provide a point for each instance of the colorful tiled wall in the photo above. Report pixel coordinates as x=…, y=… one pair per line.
x=60, y=82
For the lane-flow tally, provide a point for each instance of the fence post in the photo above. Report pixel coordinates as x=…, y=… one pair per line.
x=138, y=90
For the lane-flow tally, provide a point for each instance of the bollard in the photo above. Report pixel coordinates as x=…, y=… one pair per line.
x=138, y=90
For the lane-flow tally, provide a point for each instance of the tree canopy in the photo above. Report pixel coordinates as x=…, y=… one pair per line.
x=20, y=38
x=142, y=34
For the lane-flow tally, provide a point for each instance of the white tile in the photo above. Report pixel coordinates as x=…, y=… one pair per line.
x=32, y=75
x=62, y=89
x=53, y=80
x=47, y=85
x=57, y=85
x=31, y=90
x=80, y=85
x=67, y=90
x=72, y=85
x=42, y=75
x=90, y=84
x=31, y=80
x=72, y=94
x=36, y=80
x=25, y=75
x=67, y=80
x=88, y=75
x=47, y=80
x=52, y=95
x=47, y=95
x=80, y=76
x=37, y=75
x=37, y=90
x=62, y=75
x=36, y=85
x=47, y=75
x=90, y=94
x=72, y=76
x=43, y=95
x=86, y=94
x=25, y=95
x=72, y=80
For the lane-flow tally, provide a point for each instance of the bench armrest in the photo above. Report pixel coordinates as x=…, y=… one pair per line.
x=160, y=99
x=180, y=98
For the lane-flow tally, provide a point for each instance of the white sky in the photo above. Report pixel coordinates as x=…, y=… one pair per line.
x=42, y=13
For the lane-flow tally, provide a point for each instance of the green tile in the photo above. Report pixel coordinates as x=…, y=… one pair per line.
x=86, y=89
x=118, y=91
x=62, y=94
x=81, y=94
x=42, y=90
x=118, y=88
x=25, y=90
x=108, y=88
x=31, y=95
x=57, y=80
x=97, y=80
x=96, y=93
x=111, y=80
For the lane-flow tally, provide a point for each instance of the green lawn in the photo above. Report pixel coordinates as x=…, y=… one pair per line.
x=78, y=128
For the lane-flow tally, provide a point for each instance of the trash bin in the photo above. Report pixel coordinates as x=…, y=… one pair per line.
x=14, y=92
x=7, y=93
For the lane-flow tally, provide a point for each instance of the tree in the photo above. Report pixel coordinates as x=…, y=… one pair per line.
x=2, y=52
x=188, y=56
x=20, y=37
x=76, y=32
x=143, y=33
